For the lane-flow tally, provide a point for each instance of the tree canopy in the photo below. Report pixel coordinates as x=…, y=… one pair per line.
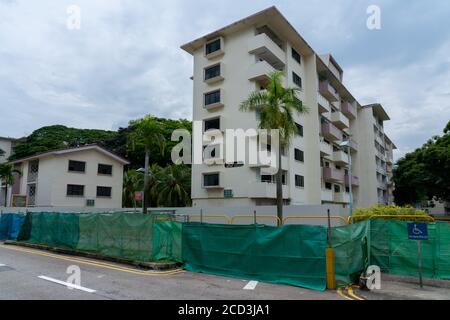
x=424, y=174
x=59, y=137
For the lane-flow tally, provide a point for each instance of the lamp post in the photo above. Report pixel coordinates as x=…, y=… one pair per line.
x=346, y=144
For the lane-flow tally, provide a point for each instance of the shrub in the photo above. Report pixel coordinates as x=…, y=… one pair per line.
x=391, y=212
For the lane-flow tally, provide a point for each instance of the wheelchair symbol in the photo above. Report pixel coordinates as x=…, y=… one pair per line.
x=417, y=231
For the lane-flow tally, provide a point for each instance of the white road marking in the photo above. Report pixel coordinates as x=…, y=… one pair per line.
x=70, y=285
x=2, y=265
x=251, y=285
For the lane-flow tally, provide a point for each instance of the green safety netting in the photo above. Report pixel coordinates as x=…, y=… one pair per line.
x=292, y=255
x=54, y=229
x=391, y=250
x=167, y=240
x=350, y=251
x=119, y=235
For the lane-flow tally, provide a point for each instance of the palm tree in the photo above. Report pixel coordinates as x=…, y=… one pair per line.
x=6, y=175
x=276, y=106
x=148, y=134
x=173, y=186
x=132, y=182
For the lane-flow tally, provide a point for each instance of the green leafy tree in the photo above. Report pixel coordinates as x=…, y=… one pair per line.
x=119, y=143
x=147, y=135
x=424, y=174
x=172, y=186
x=6, y=175
x=276, y=106
x=59, y=137
x=2, y=153
x=133, y=182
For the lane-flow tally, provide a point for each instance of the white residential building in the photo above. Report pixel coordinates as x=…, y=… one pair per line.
x=234, y=61
x=87, y=176
x=6, y=145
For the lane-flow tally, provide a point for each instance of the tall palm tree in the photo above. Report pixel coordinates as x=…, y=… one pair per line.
x=276, y=106
x=173, y=185
x=148, y=134
x=7, y=177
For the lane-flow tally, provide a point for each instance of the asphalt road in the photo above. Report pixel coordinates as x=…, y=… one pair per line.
x=31, y=274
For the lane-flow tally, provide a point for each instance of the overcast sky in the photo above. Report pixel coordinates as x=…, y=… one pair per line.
x=125, y=61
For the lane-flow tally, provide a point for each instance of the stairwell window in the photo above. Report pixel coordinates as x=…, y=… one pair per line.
x=296, y=56
x=212, y=97
x=299, y=155
x=297, y=80
x=212, y=72
x=299, y=129
x=212, y=124
x=213, y=46
x=299, y=181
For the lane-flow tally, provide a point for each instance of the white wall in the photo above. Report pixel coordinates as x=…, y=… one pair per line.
x=54, y=177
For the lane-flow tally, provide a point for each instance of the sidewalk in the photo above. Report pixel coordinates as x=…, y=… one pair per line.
x=407, y=288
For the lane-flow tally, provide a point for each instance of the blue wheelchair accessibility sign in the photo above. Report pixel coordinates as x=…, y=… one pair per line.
x=417, y=231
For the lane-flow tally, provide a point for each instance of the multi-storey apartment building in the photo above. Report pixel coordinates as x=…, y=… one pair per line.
x=236, y=60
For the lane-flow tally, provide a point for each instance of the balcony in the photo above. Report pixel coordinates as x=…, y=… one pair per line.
x=324, y=104
x=326, y=149
x=264, y=190
x=341, y=197
x=262, y=46
x=348, y=109
x=328, y=91
x=340, y=158
x=339, y=120
x=260, y=71
x=355, y=181
x=327, y=196
x=333, y=175
x=330, y=132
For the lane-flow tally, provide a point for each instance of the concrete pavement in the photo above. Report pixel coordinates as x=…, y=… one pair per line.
x=20, y=269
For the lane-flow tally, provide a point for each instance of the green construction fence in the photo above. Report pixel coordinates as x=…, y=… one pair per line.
x=291, y=254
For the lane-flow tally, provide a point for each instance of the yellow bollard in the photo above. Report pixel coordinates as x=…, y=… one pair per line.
x=331, y=278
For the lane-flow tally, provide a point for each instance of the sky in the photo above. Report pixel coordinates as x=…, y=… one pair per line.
x=125, y=59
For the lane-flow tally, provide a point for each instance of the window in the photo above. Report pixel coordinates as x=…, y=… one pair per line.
x=347, y=189
x=284, y=178
x=212, y=46
x=299, y=155
x=211, y=180
x=328, y=186
x=299, y=129
x=296, y=56
x=212, y=124
x=77, y=166
x=299, y=181
x=297, y=80
x=74, y=190
x=212, y=97
x=266, y=179
x=104, y=192
x=337, y=188
x=212, y=72
x=105, y=169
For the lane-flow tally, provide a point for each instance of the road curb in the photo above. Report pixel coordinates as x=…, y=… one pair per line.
x=155, y=266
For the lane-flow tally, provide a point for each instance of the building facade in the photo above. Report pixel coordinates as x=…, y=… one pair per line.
x=6, y=145
x=236, y=60
x=88, y=176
